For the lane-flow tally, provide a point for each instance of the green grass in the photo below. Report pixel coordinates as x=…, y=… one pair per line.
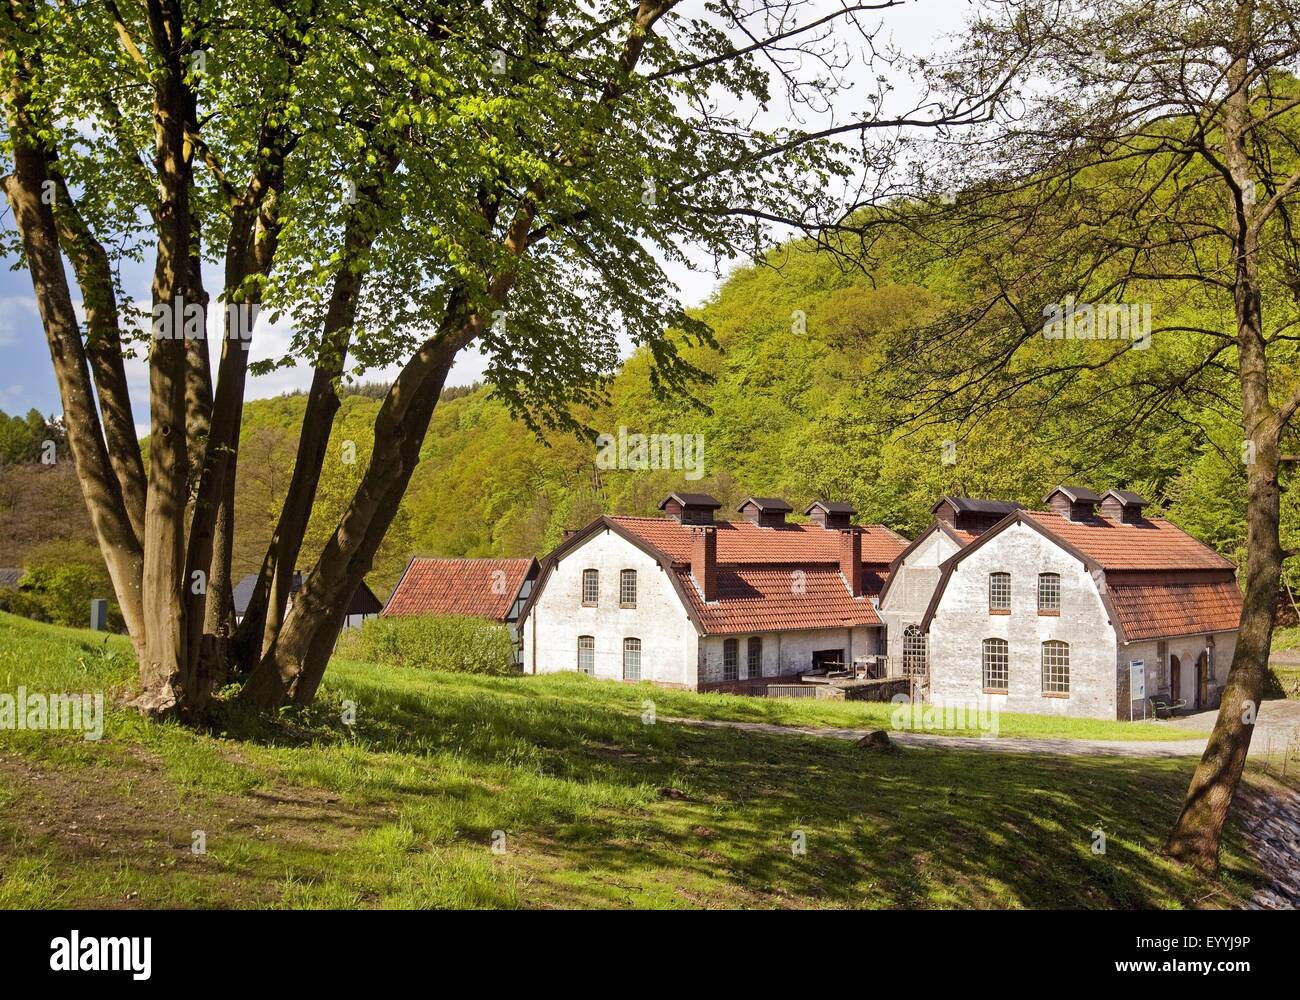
x=596, y=808
x=815, y=712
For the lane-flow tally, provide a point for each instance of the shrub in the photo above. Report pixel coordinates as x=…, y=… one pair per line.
x=455, y=642
x=62, y=577
x=18, y=603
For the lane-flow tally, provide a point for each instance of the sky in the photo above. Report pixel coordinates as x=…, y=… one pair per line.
x=27, y=379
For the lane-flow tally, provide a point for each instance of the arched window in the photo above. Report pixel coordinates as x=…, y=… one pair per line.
x=1049, y=593
x=754, y=658
x=1000, y=593
x=996, y=666
x=730, y=659
x=627, y=589
x=631, y=659
x=916, y=658
x=1056, y=667
x=590, y=588
x=587, y=654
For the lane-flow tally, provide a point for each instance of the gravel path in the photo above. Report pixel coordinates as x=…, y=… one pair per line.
x=1069, y=748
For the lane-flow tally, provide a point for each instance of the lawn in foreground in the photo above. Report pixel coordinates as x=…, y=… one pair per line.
x=596, y=808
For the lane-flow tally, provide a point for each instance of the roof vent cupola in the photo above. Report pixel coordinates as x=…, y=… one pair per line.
x=1074, y=503
x=1124, y=506
x=766, y=512
x=689, y=508
x=831, y=515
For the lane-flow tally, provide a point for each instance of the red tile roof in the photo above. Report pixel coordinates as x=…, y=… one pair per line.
x=1154, y=544
x=756, y=565
x=777, y=598
x=482, y=587
x=741, y=542
x=1150, y=611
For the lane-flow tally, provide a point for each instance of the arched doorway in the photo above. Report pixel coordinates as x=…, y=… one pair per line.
x=1202, y=681
x=1175, y=680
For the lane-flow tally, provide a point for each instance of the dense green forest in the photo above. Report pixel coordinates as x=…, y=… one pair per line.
x=800, y=401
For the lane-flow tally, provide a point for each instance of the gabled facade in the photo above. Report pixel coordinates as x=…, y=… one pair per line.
x=1049, y=612
x=688, y=601
x=916, y=571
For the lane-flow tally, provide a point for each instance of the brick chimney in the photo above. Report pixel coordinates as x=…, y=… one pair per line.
x=704, y=560
x=851, y=561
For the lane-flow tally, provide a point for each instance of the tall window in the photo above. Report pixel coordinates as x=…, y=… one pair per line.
x=627, y=589
x=1000, y=593
x=587, y=654
x=631, y=659
x=730, y=659
x=996, y=665
x=915, y=652
x=1049, y=593
x=590, y=588
x=1056, y=667
x=754, y=658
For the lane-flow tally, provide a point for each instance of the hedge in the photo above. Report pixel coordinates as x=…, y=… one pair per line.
x=455, y=642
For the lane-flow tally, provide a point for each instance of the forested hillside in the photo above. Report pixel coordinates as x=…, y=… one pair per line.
x=800, y=403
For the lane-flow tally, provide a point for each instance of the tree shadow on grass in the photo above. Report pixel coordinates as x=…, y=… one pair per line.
x=579, y=787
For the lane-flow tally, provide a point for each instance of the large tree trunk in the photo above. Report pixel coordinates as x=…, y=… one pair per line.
x=1197, y=833
x=164, y=669
x=105, y=503
x=265, y=612
x=292, y=669
x=94, y=275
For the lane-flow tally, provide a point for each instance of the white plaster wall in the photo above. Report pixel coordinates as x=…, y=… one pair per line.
x=910, y=592
x=786, y=653
x=962, y=622
x=1158, y=670
x=668, y=638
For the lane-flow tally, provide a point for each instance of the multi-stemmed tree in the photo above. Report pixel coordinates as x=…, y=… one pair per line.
x=1151, y=156
x=397, y=181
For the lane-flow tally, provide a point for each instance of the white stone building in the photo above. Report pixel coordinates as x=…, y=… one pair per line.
x=691, y=602
x=915, y=574
x=1050, y=612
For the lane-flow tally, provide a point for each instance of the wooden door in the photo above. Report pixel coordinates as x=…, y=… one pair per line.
x=1202, y=681
x=1175, y=679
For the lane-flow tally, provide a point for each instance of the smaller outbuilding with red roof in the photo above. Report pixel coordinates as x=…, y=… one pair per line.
x=483, y=588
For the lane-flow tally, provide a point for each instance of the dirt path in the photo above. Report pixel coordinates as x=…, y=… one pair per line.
x=1279, y=723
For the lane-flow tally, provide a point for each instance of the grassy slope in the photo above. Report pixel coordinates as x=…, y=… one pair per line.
x=401, y=811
